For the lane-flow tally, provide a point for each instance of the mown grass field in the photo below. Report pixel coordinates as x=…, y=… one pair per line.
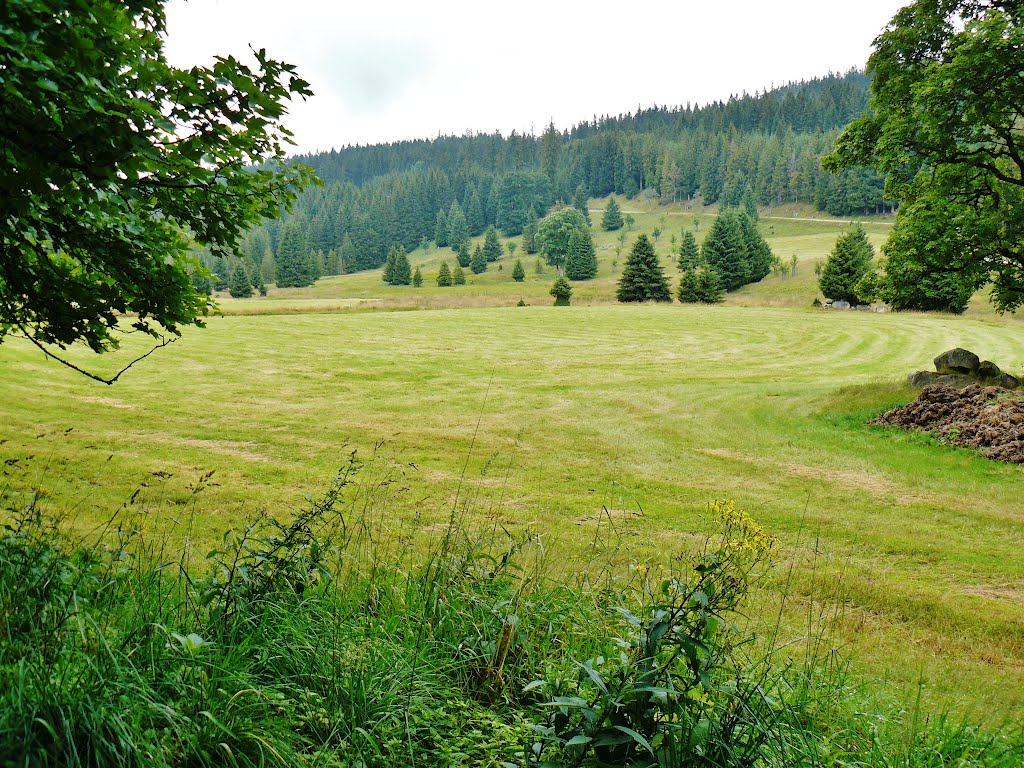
x=561, y=420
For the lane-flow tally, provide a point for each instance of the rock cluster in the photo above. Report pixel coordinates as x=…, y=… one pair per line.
x=830, y=304
x=960, y=368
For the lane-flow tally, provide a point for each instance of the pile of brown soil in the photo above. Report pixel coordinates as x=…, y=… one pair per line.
x=988, y=418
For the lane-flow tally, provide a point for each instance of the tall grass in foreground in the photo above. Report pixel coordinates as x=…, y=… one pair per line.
x=338, y=640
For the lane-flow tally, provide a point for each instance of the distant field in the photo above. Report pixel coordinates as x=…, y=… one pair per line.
x=560, y=413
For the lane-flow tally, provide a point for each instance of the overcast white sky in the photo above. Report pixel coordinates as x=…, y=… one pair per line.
x=384, y=70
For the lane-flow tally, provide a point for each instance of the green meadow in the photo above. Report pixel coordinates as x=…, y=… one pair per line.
x=582, y=423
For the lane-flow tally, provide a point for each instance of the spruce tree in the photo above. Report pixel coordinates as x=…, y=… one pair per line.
x=688, y=292
x=311, y=267
x=478, y=263
x=562, y=292
x=441, y=230
x=459, y=276
x=347, y=256
x=240, y=285
x=474, y=213
x=518, y=273
x=709, y=286
x=388, y=275
x=642, y=278
x=268, y=269
x=759, y=253
x=581, y=262
x=612, y=217
x=255, y=248
x=849, y=260
x=444, y=275
x=291, y=257
x=749, y=204
x=221, y=274
x=256, y=281
x=579, y=202
x=417, y=278
x=689, y=253
x=201, y=281
x=530, y=244
x=462, y=255
x=402, y=271
x=458, y=229
x=492, y=247
x=725, y=249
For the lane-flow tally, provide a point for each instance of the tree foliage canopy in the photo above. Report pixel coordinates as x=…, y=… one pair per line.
x=555, y=231
x=944, y=124
x=113, y=159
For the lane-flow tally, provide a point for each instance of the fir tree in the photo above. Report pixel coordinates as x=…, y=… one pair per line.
x=518, y=273
x=268, y=269
x=612, y=217
x=441, y=230
x=311, y=266
x=849, y=260
x=463, y=256
x=709, y=286
x=479, y=262
x=492, y=247
x=579, y=202
x=402, y=271
x=256, y=281
x=759, y=253
x=444, y=275
x=689, y=253
x=725, y=249
x=550, y=148
x=347, y=256
x=474, y=213
x=388, y=275
x=749, y=204
x=530, y=244
x=201, y=281
x=255, y=248
x=221, y=274
x=240, y=284
x=417, y=278
x=459, y=276
x=458, y=229
x=292, y=257
x=562, y=292
x=642, y=278
x=689, y=292
x=581, y=262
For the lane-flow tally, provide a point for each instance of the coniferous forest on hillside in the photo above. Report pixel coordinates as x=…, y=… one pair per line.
x=765, y=147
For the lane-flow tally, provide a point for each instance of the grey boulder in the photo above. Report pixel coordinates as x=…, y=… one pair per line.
x=959, y=361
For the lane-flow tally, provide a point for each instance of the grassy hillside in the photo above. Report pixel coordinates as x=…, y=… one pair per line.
x=791, y=230
x=559, y=421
